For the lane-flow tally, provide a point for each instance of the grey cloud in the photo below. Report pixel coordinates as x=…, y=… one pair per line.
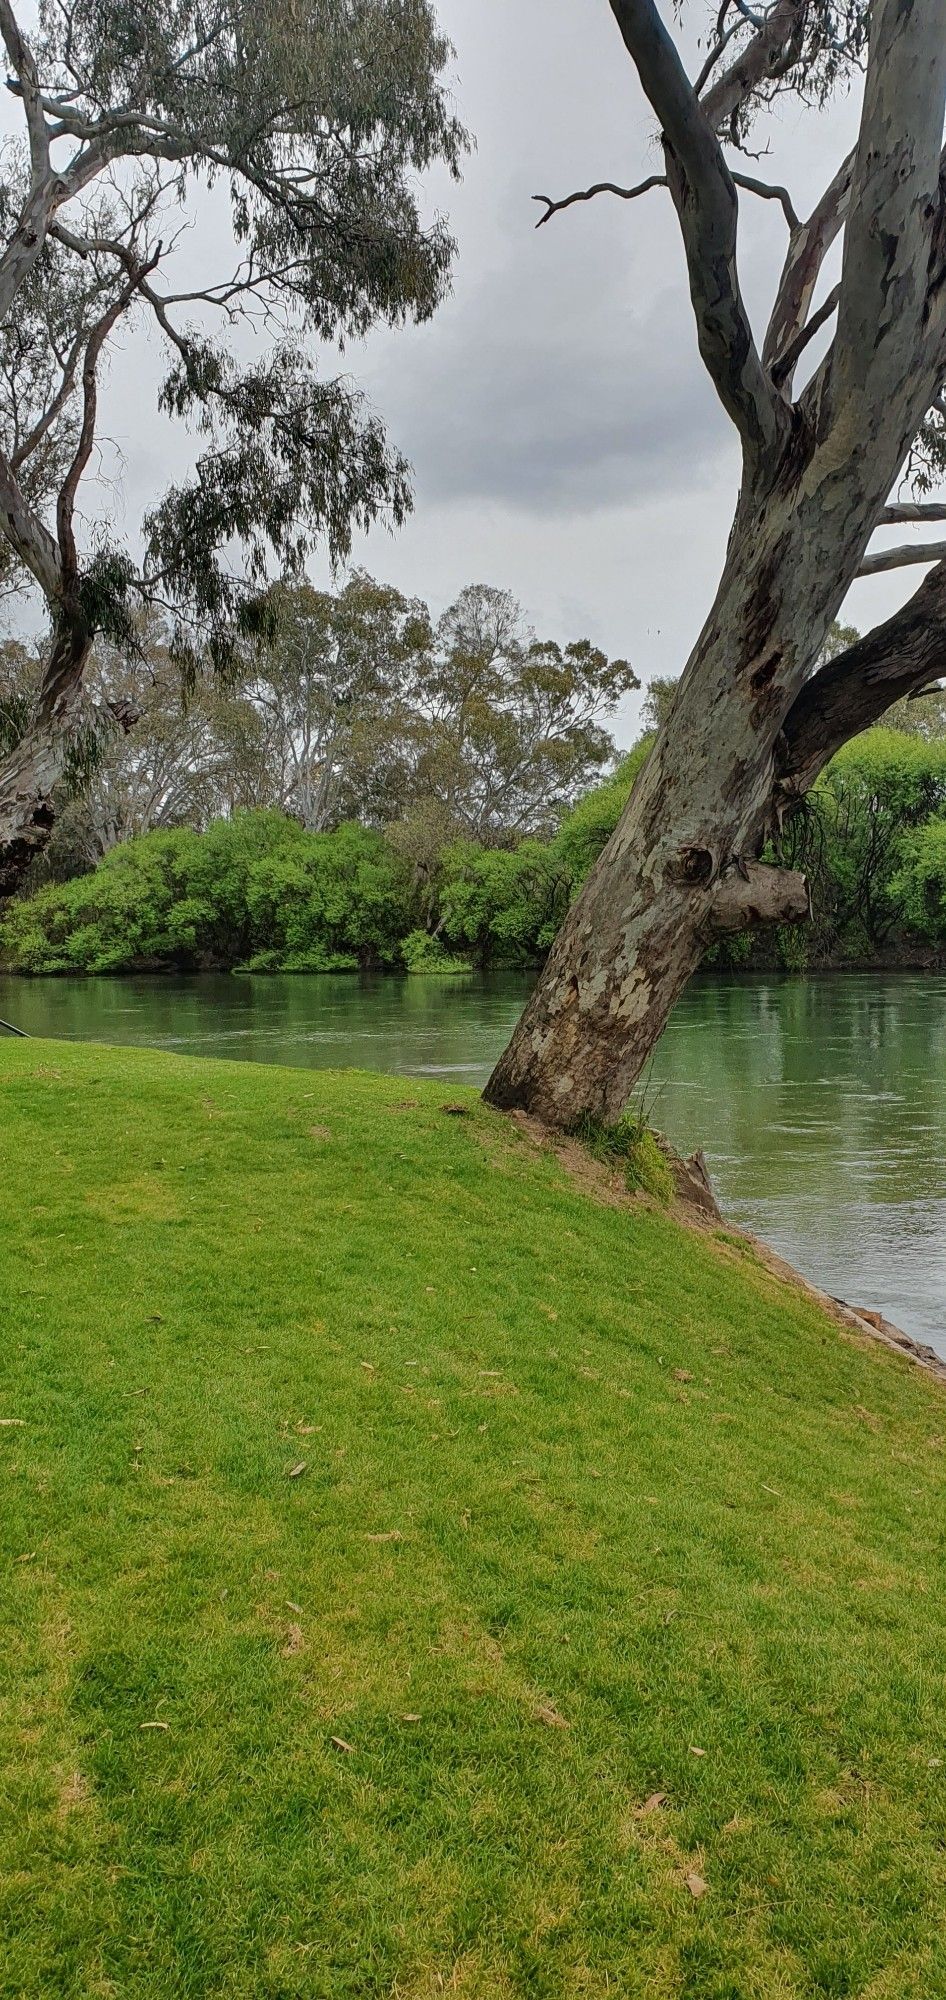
x=530, y=398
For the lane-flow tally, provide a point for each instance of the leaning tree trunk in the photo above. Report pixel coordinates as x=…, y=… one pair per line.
x=682, y=865
x=31, y=771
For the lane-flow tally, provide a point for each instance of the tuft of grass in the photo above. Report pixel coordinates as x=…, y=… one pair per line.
x=417, y=1577
x=631, y=1145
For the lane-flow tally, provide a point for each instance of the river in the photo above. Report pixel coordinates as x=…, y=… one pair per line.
x=820, y=1103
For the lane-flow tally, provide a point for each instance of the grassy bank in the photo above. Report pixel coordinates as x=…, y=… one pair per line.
x=418, y=1576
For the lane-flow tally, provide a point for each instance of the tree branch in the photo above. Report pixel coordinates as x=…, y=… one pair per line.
x=768, y=190
x=855, y=689
x=24, y=64
x=27, y=535
x=894, y=214
x=54, y=409
x=902, y=557
x=600, y=187
x=773, y=49
x=783, y=369
x=705, y=200
x=807, y=251
x=65, y=506
x=912, y=510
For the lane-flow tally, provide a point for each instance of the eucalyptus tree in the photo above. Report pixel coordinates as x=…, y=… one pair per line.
x=512, y=727
x=326, y=685
x=755, y=718
x=311, y=122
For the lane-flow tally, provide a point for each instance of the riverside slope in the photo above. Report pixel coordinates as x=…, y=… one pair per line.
x=419, y=1575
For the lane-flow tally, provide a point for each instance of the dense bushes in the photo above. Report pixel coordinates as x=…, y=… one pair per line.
x=257, y=891
x=253, y=890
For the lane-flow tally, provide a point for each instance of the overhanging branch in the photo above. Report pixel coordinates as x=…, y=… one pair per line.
x=705, y=200
x=855, y=689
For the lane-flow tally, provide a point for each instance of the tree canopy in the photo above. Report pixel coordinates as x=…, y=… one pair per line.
x=311, y=123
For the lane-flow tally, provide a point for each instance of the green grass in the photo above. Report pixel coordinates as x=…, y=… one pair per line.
x=584, y=1494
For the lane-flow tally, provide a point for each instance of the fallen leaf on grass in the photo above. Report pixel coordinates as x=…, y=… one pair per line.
x=28, y=1558
x=8, y=1422
x=339, y=1743
x=653, y=1804
x=696, y=1884
x=296, y=1471
x=390, y=1535
x=547, y=1713
x=154, y=1725
x=293, y=1607
x=369, y=1367
x=410, y=1718
x=695, y=1750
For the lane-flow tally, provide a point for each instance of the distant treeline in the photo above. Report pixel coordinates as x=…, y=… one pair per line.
x=257, y=891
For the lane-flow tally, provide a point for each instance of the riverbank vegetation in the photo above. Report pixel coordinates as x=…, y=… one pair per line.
x=258, y=892
x=420, y=1575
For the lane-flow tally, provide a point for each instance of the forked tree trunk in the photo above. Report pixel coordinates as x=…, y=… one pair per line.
x=682, y=866
x=31, y=771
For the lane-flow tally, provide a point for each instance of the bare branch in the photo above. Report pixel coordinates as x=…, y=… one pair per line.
x=768, y=190
x=900, y=657
x=600, y=187
x=901, y=558
x=54, y=409
x=705, y=200
x=65, y=505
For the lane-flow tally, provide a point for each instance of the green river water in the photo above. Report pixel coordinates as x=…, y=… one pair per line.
x=820, y=1103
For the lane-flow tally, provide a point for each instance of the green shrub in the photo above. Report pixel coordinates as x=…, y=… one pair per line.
x=503, y=907
x=421, y=952
x=920, y=885
x=253, y=890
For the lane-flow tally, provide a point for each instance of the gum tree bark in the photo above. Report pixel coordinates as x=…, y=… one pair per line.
x=750, y=728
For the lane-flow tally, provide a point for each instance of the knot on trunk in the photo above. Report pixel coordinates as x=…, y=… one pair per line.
x=748, y=893
x=697, y=866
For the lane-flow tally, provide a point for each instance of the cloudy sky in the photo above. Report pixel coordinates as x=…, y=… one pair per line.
x=565, y=440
